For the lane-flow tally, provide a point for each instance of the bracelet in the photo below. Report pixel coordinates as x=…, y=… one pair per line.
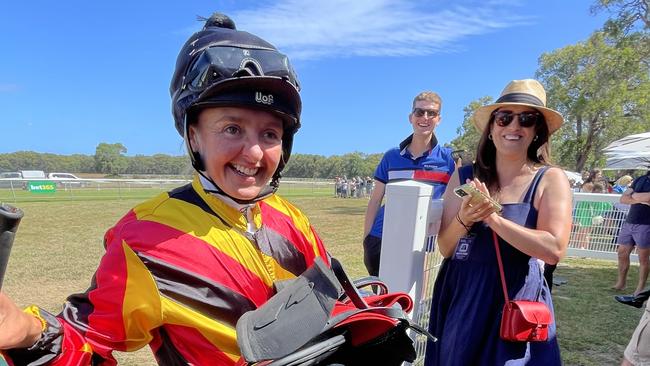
x=462, y=223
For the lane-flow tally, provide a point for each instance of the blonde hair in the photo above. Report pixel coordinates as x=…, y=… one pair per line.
x=428, y=96
x=624, y=180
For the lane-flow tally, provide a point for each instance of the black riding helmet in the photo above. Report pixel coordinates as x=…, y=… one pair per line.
x=221, y=66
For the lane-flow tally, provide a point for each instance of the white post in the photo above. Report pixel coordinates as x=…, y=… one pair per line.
x=411, y=222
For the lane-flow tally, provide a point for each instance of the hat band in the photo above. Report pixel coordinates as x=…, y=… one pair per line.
x=520, y=98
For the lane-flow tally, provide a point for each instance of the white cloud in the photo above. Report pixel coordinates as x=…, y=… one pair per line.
x=9, y=88
x=340, y=28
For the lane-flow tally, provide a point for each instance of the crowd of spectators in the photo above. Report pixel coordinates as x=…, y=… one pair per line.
x=595, y=176
x=355, y=187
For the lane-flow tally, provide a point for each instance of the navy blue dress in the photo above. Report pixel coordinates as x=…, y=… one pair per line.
x=468, y=300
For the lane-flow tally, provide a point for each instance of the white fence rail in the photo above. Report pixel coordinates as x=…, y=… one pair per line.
x=19, y=190
x=25, y=190
x=597, y=220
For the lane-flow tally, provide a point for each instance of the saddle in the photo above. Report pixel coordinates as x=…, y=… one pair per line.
x=322, y=318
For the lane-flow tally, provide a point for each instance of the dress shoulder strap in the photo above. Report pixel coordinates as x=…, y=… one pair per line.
x=530, y=194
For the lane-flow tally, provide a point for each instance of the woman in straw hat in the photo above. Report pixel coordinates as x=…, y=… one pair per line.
x=512, y=167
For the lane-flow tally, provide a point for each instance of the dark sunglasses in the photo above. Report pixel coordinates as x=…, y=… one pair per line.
x=526, y=119
x=430, y=113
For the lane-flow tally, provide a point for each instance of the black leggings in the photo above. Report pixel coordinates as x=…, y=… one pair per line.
x=372, y=254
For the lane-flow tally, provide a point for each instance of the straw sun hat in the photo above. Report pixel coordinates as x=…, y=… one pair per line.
x=527, y=92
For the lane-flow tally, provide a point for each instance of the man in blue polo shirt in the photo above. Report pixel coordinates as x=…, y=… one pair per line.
x=635, y=231
x=419, y=157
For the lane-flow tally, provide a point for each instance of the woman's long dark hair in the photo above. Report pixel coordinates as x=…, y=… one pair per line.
x=485, y=168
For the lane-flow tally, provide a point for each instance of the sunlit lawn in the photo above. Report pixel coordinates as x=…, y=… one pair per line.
x=59, y=244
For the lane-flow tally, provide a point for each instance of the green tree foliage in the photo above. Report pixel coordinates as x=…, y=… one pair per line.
x=159, y=164
x=304, y=166
x=317, y=166
x=29, y=160
x=468, y=135
x=110, y=159
x=628, y=14
x=602, y=87
x=300, y=165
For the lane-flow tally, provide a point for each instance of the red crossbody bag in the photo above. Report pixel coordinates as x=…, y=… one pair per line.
x=522, y=320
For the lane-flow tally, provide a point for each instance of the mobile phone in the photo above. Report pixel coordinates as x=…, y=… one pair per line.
x=477, y=196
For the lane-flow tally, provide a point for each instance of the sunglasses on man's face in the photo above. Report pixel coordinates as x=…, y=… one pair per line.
x=526, y=119
x=430, y=113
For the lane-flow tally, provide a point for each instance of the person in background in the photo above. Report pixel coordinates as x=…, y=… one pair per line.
x=585, y=176
x=621, y=184
x=590, y=215
x=181, y=268
x=582, y=218
x=599, y=210
x=348, y=184
x=369, y=184
x=596, y=176
x=511, y=166
x=635, y=232
x=353, y=187
x=338, y=187
x=637, y=352
x=419, y=157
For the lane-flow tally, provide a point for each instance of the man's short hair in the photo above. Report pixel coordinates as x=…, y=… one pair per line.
x=428, y=96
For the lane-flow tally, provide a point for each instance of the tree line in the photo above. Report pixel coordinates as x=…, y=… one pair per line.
x=110, y=159
x=600, y=85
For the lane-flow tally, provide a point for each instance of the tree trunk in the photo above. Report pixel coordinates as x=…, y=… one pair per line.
x=583, y=153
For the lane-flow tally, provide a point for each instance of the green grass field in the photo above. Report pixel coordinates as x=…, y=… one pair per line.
x=59, y=243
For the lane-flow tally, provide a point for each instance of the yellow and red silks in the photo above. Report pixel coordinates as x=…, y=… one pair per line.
x=178, y=272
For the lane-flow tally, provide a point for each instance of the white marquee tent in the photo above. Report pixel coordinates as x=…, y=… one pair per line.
x=630, y=152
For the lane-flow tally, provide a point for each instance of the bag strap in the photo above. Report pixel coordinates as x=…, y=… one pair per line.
x=348, y=286
x=503, y=277
x=362, y=306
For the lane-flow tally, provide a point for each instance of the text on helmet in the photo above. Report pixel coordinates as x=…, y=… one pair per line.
x=264, y=99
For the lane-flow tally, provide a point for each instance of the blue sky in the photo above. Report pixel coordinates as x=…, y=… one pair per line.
x=77, y=73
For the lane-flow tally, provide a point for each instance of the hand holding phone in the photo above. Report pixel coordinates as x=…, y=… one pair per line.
x=476, y=195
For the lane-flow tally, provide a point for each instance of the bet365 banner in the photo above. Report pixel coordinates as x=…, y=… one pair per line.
x=41, y=186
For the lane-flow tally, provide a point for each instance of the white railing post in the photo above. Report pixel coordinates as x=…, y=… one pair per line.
x=404, y=234
x=409, y=261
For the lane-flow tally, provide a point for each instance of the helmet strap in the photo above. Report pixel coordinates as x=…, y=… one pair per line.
x=195, y=156
x=197, y=161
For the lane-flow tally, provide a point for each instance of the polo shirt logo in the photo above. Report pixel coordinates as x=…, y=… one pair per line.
x=264, y=99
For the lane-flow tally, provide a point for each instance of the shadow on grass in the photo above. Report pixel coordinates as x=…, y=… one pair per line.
x=593, y=329
x=347, y=210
